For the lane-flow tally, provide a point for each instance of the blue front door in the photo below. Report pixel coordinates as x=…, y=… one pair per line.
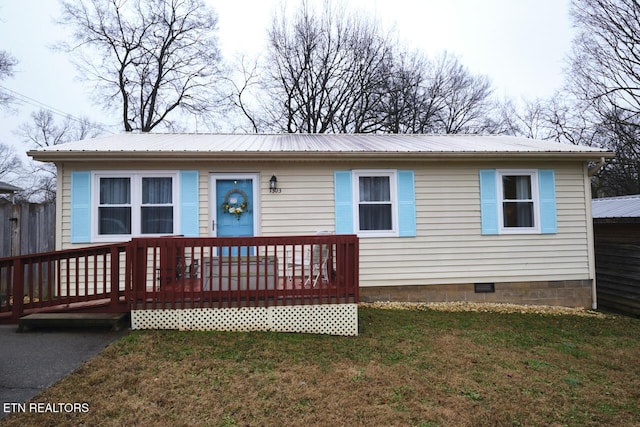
x=234, y=209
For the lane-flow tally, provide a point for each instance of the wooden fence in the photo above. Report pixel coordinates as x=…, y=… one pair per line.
x=26, y=228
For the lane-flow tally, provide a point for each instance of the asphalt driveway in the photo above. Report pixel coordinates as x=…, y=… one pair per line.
x=35, y=360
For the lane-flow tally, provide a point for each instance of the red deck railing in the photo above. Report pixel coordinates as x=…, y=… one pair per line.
x=177, y=272
x=233, y=272
x=86, y=279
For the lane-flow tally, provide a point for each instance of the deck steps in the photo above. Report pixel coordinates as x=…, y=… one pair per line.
x=114, y=321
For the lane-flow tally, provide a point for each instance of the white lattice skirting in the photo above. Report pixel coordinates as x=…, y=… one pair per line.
x=332, y=319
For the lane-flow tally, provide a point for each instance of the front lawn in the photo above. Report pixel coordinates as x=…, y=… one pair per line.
x=406, y=368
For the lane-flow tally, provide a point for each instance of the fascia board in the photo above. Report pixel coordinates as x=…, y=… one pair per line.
x=306, y=156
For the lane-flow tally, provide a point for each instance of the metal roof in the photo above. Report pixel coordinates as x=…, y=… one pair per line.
x=174, y=145
x=616, y=207
x=6, y=188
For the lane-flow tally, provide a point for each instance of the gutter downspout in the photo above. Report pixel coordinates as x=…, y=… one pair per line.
x=596, y=168
x=589, y=172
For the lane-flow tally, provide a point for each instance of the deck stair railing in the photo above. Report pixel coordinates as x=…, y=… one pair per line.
x=86, y=279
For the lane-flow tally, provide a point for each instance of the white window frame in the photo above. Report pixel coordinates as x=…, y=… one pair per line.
x=135, y=203
x=393, y=183
x=533, y=174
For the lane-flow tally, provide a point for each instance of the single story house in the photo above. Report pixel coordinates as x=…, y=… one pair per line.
x=439, y=217
x=616, y=224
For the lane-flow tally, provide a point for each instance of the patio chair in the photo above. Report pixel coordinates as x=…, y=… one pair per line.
x=312, y=264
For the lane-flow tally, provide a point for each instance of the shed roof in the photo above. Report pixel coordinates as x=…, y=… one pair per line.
x=6, y=188
x=616, y=207
x=172, y=146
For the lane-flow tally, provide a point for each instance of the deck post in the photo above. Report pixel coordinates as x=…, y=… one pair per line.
x=139, y=270
x=356, y=268
x=129, y=294
x=115, y=277
x=17, y=308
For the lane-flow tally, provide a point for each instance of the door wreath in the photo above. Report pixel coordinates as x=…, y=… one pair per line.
x=235, y=206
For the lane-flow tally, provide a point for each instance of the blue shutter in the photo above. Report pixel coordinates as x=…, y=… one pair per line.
x=189, y=204
x=343, y=202
x=81, y=207
x=489, y=202
x=547, y=189
x=406, y=204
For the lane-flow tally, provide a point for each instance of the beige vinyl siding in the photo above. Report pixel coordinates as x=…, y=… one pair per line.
x=305, y=205
x=449, y=247
x=203, y=212
x=63, y=210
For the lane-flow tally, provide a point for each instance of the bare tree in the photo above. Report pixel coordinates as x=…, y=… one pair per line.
x=408, y=106
x=535, y=118
x=245, y=84
x=44, y=131
x=149, y=58
x=7, y=64
x=9, y=162
x=605, y=76
x=605, y=59
x=325, y=71
x=437, y=96
x=560, y=118
x=621, y=175
x=39, y=179
x=10, y=167
x=334, y=71
x=465, y=98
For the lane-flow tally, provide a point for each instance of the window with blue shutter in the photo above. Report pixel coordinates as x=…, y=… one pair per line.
x=489, y=202
x=128, y=204
x=189, y=204
x=406, y=204
x=517, y=201
x=547, y=188
x=80, y=207
x=375, y=203
x=343, y=202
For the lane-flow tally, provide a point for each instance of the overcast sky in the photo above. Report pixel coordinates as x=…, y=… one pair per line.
x=519, y=44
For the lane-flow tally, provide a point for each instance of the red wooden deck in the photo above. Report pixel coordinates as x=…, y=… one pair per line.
x=177, y=272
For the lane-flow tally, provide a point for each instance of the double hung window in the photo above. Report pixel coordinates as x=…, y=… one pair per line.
x=376, y=202
x=135, y=204
x=519, y=205
x=114, y=210
x=157, y=205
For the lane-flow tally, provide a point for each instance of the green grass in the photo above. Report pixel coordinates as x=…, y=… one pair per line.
x=408, y=368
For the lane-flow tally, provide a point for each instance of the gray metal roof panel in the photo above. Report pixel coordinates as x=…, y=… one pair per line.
x=616, y=207
x=7, y=188
x=318, y=143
